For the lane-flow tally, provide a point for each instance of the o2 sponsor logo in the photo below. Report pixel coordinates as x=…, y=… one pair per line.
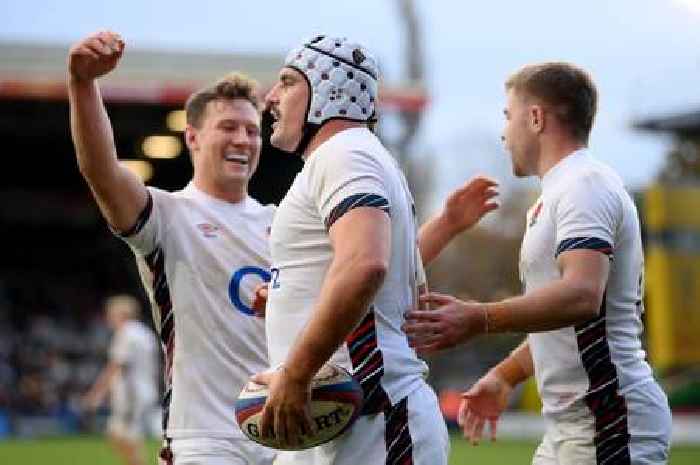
x=234, y=286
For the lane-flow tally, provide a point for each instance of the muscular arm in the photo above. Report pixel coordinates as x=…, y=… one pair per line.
x=586, y=218
x=574, y=298
x=119, y=193
x=361, y=242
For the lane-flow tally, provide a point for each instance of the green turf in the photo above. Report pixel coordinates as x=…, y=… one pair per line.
x=77, y=450
x=499, y=452
x=95, y=451
x=520, y=453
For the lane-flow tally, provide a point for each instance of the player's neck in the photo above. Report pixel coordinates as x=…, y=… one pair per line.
x=231, y=193
x=327, y=131
x=555, y=150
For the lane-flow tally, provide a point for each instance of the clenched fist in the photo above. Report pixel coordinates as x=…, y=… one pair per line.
x=95, y=56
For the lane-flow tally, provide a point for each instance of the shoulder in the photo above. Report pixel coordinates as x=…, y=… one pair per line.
x=138, y=331
x=178, y=205
x=589, y=202
x=346, y=162
x=591, y=182
x=131, y=329
x=157, y=192
x=165, y=200
x=351, y=144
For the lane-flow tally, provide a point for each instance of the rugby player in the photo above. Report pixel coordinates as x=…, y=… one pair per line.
x=582, y=267
x=130, y=377
x=345, y=266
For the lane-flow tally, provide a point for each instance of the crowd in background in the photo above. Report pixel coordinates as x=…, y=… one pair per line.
x=53, y=343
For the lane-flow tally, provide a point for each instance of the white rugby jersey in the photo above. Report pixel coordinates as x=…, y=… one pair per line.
x=134, y=348
x=350, y=169
x=584, y=205
x=203, y=258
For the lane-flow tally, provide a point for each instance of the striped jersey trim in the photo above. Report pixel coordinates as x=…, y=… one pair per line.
x=161, y=294
x=590, y=243
x=368, y=364
x=609, y=408
x=142, y=218
x=399, y=444
x=355, y=201
x=165, y=403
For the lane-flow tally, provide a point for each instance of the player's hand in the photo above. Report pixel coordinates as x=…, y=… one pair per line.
x=469, y=203
x=286, y=415
x=260, y=300
x=453, y=322
x=484, y=402
x=95, y=56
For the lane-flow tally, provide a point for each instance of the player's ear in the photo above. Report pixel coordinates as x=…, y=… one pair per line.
x=191, y=138
x=536, y=118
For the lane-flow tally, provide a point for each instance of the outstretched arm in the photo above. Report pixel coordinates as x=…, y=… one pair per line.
x=97, y=393
x=572, y=299
x=463, y=209
x=119, y=193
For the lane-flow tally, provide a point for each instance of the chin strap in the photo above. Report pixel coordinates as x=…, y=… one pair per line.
x=308, y=133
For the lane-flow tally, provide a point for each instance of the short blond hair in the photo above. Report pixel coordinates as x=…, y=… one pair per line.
x=566, y=88
x=230, y=87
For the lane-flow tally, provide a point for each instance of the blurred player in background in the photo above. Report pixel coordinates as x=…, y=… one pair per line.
x=582, y=268
x=206, y=248
x=346, y=266
x=131, y=377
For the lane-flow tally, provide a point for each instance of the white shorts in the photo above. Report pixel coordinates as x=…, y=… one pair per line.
x=411, y=429
x=220, y=451
x=648, y=426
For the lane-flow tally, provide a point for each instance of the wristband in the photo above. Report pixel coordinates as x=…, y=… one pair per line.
x=498, y=318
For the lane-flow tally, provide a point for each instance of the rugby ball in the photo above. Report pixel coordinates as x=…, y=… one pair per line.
x=336, y=401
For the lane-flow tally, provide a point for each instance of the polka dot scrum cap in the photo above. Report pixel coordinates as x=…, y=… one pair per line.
x=343, y=78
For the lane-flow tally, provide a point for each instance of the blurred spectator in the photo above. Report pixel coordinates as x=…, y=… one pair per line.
x=53, y=342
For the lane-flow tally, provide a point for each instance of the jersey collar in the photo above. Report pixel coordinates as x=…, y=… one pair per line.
x=192, y=191
x=564, y=166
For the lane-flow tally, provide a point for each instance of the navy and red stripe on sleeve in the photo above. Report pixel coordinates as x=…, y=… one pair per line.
x=589, y=243
x=355, y=201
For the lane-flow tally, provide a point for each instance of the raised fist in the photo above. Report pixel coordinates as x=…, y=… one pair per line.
x=95, y=56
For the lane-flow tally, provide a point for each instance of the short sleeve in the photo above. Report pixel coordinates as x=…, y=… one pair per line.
x=119, y=351
x=587, y=216
x=147, y=231
x=344, y=180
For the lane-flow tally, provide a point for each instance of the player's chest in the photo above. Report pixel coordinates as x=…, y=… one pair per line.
x=537, y=253
x=298, y=222
x=215, y=240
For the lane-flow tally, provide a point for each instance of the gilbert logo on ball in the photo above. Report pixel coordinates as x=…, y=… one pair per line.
x=336, y=401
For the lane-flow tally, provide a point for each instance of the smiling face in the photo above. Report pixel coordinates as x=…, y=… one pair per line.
x=288, y=101
x=225, y=146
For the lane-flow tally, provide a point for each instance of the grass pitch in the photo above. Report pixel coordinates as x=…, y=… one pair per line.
x=92, y=450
